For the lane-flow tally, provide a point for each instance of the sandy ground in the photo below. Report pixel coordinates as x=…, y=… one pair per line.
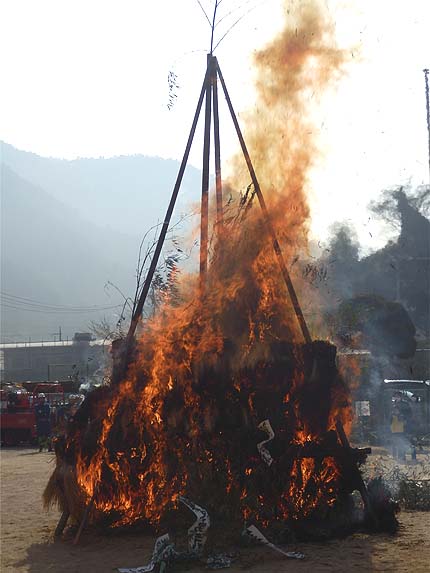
x=27, y=537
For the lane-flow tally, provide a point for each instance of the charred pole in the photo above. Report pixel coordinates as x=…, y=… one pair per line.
x=358, y=481
x=266, y=214
x=204, y=221
x=128, y=345
x=211, y=97
x=218, y=179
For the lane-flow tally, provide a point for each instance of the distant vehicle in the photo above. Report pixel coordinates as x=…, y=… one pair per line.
x=54, y=391
x=83, y=337
x=17, y=417
x=415, y=394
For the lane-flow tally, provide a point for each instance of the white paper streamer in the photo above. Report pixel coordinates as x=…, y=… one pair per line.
x=197, y=532
x=163, y=550
x=265, y=426
x=256, y=535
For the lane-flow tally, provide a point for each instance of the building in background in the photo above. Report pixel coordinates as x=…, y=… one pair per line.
x=78, y=359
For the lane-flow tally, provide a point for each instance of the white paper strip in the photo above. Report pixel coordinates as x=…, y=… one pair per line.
x=264, y=452
x=197, y=532
x=163, y=549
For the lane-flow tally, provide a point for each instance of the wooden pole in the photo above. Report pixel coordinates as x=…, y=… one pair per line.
x=166, y=222
x=204, y=221
x=267, y=218
x=84, y=519
x=218, y=179
x=361, y=486
x=61, y=524
x=126, y=357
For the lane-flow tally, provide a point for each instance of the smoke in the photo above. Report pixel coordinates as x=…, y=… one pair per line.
x=246, y=300
x=245, y=306
x=291, y=74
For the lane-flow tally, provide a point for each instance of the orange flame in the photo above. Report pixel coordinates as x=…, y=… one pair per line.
x=160, y=432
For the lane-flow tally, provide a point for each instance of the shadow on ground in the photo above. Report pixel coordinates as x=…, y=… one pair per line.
x=96, y=553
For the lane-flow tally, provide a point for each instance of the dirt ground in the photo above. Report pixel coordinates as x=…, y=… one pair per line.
x=28, y=546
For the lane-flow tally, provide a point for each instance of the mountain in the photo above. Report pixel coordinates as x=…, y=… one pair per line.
x=51, y=256
x=127, y=194
x=66, y=232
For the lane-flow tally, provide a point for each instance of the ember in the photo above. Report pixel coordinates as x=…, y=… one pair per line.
x=222, y=403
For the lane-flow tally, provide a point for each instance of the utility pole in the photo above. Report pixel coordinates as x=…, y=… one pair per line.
x=54, y=334
x=426, y=80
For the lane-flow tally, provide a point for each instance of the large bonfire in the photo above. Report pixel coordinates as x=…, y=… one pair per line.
x=224, y=403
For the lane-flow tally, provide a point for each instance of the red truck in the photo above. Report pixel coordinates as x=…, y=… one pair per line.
x=17, y=417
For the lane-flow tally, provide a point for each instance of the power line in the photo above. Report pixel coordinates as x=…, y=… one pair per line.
x=57, y=311
x=39, y=303
x=23, y=302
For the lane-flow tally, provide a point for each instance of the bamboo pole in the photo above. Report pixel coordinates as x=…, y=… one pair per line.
x=267, y=218
x=125, y=359
x=84, y=519
x=218, y=179
x=61, y=524
x=361, y=486
x=204, y=217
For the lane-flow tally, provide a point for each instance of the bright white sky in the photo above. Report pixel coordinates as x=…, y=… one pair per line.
x=89, y=78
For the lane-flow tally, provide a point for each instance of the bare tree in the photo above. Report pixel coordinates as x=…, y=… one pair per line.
x=164, y=284
x=388, y=206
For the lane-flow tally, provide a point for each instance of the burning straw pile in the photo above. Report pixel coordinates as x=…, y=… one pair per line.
x=250, y=444
x=223, y=404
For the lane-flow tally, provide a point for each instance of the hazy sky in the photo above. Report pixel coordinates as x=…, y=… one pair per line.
x=89, y=78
